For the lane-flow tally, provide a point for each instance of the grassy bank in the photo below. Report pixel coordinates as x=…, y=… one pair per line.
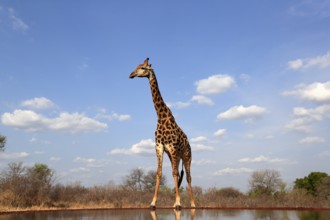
x=34, y=188
x=105, y=197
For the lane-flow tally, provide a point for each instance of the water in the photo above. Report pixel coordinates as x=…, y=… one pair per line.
x=167, y=214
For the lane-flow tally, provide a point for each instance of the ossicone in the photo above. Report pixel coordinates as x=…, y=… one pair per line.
x=146, y=61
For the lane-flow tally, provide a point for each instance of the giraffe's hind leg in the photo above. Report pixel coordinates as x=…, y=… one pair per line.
x=187, y=163
x=175, y=173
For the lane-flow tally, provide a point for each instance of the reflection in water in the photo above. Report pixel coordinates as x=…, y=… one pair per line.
x=272, y=214
x=169, y=214
x=177, y=214
x=314, y=215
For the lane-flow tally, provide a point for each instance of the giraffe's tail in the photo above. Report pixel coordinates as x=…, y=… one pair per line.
x=181, y=176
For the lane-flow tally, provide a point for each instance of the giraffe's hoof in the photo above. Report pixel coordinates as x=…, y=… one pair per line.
x=152, y=207
x=178, y=207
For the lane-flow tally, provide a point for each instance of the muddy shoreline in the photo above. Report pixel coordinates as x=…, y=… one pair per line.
x=3, y=212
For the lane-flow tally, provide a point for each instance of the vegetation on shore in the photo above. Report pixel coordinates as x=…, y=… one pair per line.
x=2, y=142
x=35, y=187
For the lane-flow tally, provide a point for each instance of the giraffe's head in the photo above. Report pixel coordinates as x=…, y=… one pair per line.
x=142, y=70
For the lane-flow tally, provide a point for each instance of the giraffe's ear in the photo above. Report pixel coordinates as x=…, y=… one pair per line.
x=146, y=61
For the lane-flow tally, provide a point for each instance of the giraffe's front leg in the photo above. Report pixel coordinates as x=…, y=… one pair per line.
x=159, y=152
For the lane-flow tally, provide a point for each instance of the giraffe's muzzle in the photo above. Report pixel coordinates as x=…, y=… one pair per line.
x=133, y=74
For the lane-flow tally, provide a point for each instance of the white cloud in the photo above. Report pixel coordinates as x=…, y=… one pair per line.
x=198, y=139
x=259, y=136
x=84, y=160
x=318, y=113
x=220, y=133
x=91, y=162
x=236, y=112
x=299, y=124
x=322, y=61
x=24, y=119
x=269, y=137
x=144, y=147
x=312, y=140
x=250, y=136
x=201, y=147
x=65, y=122
x=261, y=159
x=215, y=84
x=121, y=117
x=38, y=103
x=320, y=9
x=79, y=170
x=200, y=99
x=245, y=77
x=295, y=64
x=112, y=116
x=17, y=23
x=203, y=162
x=12, y=156
x=178, y=105
x=54, y=158
x=325, y=154
x=33, y=139
x=305, y=117
x=318, y=92
x=39, y=152
x=229, y=170
x=75, y=123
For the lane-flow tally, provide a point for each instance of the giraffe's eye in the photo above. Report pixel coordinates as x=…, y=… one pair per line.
x=143, y=68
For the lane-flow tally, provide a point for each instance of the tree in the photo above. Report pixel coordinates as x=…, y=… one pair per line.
x=134, y=180
x=149, y=180
x=39, y=182
x=229, y=192
x=26, y=187
x=42, y=173
x=310, y=182
x=2, y=142
x=14, y=170
x=137, y=180
x=12, y=184
x=323, y=188
x=265, y=182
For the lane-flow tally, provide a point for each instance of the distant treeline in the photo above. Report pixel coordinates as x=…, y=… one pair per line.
x=30, y=187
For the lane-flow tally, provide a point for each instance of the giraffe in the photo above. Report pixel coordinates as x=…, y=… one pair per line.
x=169, y=138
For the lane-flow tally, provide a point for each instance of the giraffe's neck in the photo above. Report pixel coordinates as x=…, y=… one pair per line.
x=160, y=106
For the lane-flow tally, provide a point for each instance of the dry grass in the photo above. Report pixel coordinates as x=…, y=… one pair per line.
x=22, y=190
x=113, y=197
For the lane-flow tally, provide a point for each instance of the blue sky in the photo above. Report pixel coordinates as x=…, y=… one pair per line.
x=248, y=82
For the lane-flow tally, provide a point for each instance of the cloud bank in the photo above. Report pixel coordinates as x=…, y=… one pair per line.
x=261, y=159
x=237, y=112
x=322, y=62
x=317, y=92
x=214, y=84
x=31, y=120
x=38, y=103
x=144, y=147
x=72, y=123
x=228, y=171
